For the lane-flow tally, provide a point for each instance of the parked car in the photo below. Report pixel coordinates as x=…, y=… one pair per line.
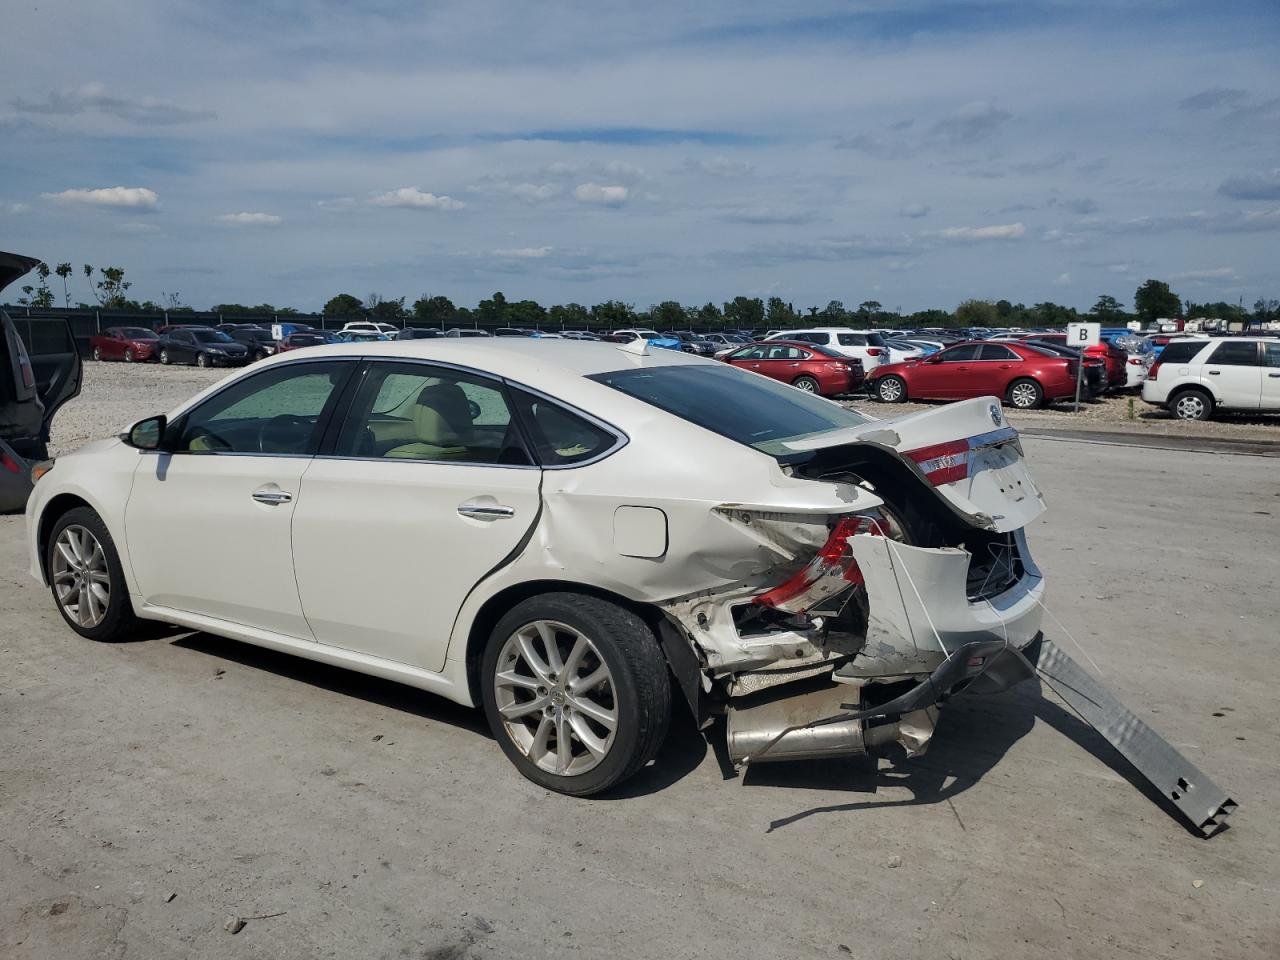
x=203, y=346
x=170, y=327
x=900, y=350
x=33, y=387
x=866, y=345
x=654, y=338
x=459, y=332
x=928, y=346
x=726, y=341
x=1022, y=376
x=579, y=335
x=420, y=333
x=359, y=336
x=569, y=538
x=1193, y=378
x=691, y=342
x=257, y=340
x=130, y=344
x=1095, y=380
x=1115, y=358
x=302, y=338
x=370, y=326
x=805, y=366
x=512, y=332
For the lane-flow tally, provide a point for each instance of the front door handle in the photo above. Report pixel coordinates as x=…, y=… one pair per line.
x=272, y=497
x=1273, y=374
x=1214, y=373
x=486, y=511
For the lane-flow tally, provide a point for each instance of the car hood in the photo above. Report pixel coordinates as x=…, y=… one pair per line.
x=996, y=490
x=13, y=266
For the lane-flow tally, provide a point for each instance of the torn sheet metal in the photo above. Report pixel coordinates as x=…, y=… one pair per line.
x=1197, y=797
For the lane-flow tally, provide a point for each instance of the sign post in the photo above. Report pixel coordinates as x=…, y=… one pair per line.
x=1081, y=336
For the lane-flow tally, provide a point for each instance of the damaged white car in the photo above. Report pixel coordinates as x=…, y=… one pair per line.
x=569, y=534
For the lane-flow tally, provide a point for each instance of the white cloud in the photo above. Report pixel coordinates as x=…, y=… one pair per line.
x=337, y=204
x=135, y=197
x=523, y=253
x=721, y=166
x=610, y=196
x=250, y=219
x=415, y=198
x=1062, y=280
x=998, y=231
x=15, y=208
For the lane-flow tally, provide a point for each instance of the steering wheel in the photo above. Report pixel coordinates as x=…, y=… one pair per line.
x=285, y=433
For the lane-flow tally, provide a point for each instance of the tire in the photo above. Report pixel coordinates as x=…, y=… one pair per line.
x=104, y=621
x=807, y=384
x=891, y=389
x=97, y=354
x=202, y=360
x=1192, y=405
x=1025, y=395
x=636, y=692
x=164, y=357
x=128, y=354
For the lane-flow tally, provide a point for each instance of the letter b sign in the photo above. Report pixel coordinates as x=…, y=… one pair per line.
x=1084, y=334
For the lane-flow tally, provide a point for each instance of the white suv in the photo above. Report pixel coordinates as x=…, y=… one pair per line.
x=1192, y=378
x=371, y=326
x=867, y=345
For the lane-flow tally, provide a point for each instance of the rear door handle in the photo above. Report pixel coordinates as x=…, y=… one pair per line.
x=272, y=497
x=1273, y=374
x=486, y=511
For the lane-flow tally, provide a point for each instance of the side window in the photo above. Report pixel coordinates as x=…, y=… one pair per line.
x=1272, y=355
x=783, y=353
x=278, y=411
x=560, y=437
x=1236, y=354
x=1182, y=351
x=966, y=351
x=751, y=353
x=853, y=339
x=413, y=411
x=993, y=351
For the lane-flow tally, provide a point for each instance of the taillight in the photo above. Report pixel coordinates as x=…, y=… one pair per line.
x=1153, y=371
x=832, y=570
x=874, y=351
x=1135, y=361
x=943, y=462
x=9, y=463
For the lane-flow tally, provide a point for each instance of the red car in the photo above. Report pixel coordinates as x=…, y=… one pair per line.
x=1112, y=356
x=300, y=339
x=803, y=365
x=1021, y=375
x=124, y=343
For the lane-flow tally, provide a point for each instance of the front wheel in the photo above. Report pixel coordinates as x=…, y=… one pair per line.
x=807, y=384
x=576, y=691
x=128, y=355
x=202, y=360
x=164, y=357
x=87, y=579
x=891, y=389
x=1192, y=405
x=1025, y=394
x=97, y=354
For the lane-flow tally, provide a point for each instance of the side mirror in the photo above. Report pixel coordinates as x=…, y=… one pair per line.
x=933, y=358
x=147, y=434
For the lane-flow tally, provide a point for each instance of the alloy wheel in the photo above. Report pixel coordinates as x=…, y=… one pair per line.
x=556, y=697
x=890, y=390
x=808, y=386
x=1189, y=407
x=1023, y=395
x=81, y=581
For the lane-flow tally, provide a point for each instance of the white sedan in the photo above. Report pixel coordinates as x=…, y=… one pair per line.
x=569, y=534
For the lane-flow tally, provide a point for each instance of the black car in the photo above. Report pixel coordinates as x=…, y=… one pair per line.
x=258, y=340
x=691, y=342
x=420, y=333
x=1095, y=370
x=203, y=346
x=33, y=386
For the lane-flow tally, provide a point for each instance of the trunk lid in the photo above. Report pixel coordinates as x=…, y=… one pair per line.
x=966, y=451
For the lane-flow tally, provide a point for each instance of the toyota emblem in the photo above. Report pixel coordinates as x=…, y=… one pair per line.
x=995, y=414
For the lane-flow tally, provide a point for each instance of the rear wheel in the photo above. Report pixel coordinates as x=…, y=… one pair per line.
x=202, y=360
x=1192, y=405
x=128, y=354
x=576, y=691
x=164, y=357
x=891, y=389
x=807, y=384
x=97, y=354
x=86, y=577
x=1025, y=394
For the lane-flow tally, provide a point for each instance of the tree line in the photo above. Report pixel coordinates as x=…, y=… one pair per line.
x=1151, y=301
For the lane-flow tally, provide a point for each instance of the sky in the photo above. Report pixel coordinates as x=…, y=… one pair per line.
x=913, y=153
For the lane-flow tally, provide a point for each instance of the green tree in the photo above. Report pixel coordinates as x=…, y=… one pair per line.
x=109, y=290
x=834, y=313
x=493, y=311
x=64, y=271
x=437, y=311
x=569, y=315
x=1108, y=310
x=527, y=314
x=385, y=310
x=1266, y=311
x=231, y=309
x=613, y=314
x=709, y=315
x=870, y=312
x=1154, y=300
x=344, y=305
x=976, y=313
x=667, y=315
x=1004, y=311
x=780, y=315
x=744, y=313
x=1050, y=314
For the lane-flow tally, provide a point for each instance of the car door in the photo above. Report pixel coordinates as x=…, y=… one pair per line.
x=781, y=362
x=996, y=367
x=427, y=487
x=209, y=517
x=1271, y=376
x=749, y=358
x=942, y=376
x=1233, y=372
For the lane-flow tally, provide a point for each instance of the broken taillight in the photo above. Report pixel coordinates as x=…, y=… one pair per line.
x=832, y=569
x=943, y=462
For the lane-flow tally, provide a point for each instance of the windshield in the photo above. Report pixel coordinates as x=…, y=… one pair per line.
x=138, y=333
x=742, y=406
x=211, y=336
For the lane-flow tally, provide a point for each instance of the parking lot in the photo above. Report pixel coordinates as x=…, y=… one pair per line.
x=349, y=817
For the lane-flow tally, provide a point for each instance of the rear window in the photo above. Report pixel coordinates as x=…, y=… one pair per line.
x=1181, y=351
x=752, y=410
x=1238, y=354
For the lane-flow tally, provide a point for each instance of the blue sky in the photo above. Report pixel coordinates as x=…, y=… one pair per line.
x=913, y=153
